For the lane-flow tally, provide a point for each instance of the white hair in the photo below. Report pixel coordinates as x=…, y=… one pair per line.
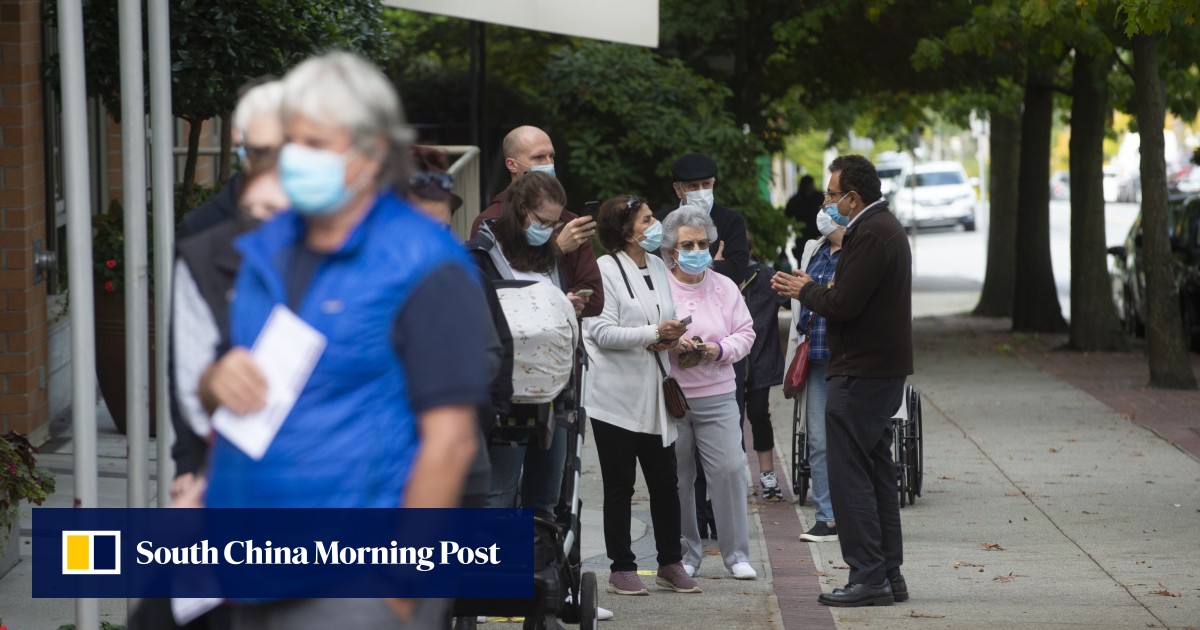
x=260, y=100
x=344, y=90
x=685, y=216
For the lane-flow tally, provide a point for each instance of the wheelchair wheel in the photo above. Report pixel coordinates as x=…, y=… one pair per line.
x=588, y=602
x=918, y=439
x=899, y=453
x=801, y=472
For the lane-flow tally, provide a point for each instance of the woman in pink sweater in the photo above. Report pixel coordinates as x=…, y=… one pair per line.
x=704, y=369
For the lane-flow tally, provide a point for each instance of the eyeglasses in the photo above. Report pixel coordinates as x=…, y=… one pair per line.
x=684, y=246
x=261, y=154
x=445, y=181
x=830, y=194
x=544, y=223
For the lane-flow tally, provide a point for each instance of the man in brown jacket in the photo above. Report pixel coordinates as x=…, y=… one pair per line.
x=526, y=149
x=868, y=307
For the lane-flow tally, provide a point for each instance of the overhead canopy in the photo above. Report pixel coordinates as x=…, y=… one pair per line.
x=626, y=21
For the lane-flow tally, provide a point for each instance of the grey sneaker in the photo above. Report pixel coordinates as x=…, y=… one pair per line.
x=770, y=486
x=674, y=577
x=821, y=532
x=626, y=583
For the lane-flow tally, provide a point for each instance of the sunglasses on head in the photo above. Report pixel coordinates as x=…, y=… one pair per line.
x=445, y=181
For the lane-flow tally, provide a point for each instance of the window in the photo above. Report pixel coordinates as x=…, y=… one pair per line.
x=941, y=178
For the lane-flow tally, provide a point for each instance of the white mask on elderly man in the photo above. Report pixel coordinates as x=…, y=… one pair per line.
x=702, y=198
x=825, y=224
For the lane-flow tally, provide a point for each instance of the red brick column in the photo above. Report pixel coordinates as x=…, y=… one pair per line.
x=23, y=348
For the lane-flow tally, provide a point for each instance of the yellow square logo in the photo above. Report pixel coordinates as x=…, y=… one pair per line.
x=91, y=552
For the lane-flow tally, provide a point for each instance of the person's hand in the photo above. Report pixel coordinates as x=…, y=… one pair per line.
x=789, y=285
x=402, y=608
x=576, y=233
x=685, y=345
x=711, y=351
x=720, y=251
x=578, y=303
x=662, y=346
x=182, y=484
x=234, y=382
x=191, y=495
x=671, y=330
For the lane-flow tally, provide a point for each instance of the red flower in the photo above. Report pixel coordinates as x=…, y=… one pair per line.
x=111, y=264
x=108, y=286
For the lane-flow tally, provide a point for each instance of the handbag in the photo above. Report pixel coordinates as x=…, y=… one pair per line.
x=797, y=372
x=677, y=404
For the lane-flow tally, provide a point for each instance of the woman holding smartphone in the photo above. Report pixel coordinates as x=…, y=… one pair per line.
x=623, y=393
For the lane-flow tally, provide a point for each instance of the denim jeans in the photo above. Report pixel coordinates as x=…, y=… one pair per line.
x=818, y=390
x=543, y=474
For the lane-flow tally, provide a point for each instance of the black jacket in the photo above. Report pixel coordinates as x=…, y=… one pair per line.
x=731, y=228
x=220, y=207
x=764, y=365
x=868, y=310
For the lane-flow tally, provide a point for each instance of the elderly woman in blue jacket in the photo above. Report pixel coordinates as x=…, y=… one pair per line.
x=387, y=417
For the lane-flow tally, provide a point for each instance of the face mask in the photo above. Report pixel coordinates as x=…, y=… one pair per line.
x=537, y=234
x=543, y=168
x=835, y=214
x=702, y=198
x=313, y=179
x=825, y=224
x=695, y=261
x=652, y=237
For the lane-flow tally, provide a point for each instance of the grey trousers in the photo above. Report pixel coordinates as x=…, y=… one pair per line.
x=712, y=426
x=343, y=614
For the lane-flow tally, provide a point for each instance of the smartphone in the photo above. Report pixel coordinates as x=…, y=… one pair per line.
x=590, y=208
x=686, y=321
x=584, y=293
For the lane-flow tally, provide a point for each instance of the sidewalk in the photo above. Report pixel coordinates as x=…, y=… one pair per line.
x=1043, y=506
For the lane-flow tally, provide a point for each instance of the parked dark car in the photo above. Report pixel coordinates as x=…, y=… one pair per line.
x=1129, y=278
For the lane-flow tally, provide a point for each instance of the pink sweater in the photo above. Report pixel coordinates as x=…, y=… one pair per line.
x=719, y=315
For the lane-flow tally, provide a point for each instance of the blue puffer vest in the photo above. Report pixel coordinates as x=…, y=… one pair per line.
x=351, y=438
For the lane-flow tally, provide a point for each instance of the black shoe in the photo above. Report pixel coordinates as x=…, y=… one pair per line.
x=852, y=595
x=821, y=532
x=899, y=588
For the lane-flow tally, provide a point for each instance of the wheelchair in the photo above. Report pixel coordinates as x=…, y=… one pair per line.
x=908, y=449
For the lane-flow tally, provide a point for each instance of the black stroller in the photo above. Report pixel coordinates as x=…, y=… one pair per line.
x=907, y=448
x=562, y=590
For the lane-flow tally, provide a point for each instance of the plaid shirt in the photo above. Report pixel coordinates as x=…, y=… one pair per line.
x=821, y=268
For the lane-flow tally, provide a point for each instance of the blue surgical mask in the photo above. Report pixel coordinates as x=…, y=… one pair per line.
x=652, y=237
x=832, y=210
x=543, y=168
x=695, y=261
x=537, y=234
x=314, y=180
x=702, y=198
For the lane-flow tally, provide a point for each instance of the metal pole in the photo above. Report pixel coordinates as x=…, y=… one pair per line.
x=79, y=265
x=133, y=167
x=163, y=171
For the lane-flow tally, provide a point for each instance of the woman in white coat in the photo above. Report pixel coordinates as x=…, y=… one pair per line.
x=623, y=393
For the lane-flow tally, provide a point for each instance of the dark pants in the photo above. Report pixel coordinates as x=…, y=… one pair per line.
x=758, y=409
x=620, y=451
x=704, y=508
x=862, y=474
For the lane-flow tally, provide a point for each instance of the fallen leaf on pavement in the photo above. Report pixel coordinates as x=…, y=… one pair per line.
x=712, y=552
x=916, y=615
x=966, y=564
x=1087, y=512
x=842, y=567
x=946, y=477
x=992, y=547
x=1164, y=592
x=1008, y=578
x=1054, y=449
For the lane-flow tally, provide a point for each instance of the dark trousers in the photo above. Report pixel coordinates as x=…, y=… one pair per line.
x=620, y=451
x=862, y=474
x=758, y=409
x=704, y=508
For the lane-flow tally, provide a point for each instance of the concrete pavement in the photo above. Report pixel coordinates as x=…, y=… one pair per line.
x=1042, y=508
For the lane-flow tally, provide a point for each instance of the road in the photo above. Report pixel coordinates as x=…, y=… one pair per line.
x=949, y=264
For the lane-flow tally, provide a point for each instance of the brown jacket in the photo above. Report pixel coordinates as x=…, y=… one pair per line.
x=868, y=309
x=580, y=265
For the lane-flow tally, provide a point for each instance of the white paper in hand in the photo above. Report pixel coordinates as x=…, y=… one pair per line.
x=286, y=351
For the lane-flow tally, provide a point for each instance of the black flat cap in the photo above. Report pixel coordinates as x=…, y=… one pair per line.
x=693, y=166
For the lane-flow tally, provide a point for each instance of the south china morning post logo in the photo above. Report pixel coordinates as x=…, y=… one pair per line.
x=91, y=552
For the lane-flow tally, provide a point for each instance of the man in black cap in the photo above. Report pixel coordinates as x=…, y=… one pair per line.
x=693, y=178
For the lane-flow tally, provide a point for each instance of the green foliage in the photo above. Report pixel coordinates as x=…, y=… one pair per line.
x=20, y=477
x=104, y=625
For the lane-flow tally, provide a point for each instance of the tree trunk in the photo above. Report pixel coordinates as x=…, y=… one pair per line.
x=1094, y=322
x=996, y=300
x=1170, y=365
x=1035, y=297
x=189, y=165
x=224, y=162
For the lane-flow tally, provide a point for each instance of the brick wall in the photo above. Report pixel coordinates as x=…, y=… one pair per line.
x=23, y=346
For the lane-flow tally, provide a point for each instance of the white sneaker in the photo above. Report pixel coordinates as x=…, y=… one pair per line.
x=743, y=571
x=603, y=614
x=481, y=619
x=690, y=570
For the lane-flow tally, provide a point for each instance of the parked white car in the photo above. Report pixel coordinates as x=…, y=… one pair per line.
x=936, y=194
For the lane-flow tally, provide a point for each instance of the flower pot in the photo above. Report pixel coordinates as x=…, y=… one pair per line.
x=110, y=354
x=10, y=545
